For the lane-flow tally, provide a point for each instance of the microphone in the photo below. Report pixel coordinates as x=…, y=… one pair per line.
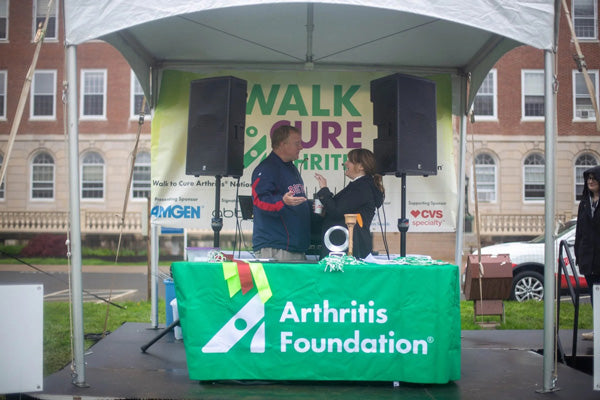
x=304, y=160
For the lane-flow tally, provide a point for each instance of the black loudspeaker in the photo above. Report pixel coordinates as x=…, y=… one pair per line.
x=216, y=122
x=404, y=111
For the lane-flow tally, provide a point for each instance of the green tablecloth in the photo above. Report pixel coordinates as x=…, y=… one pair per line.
x=299, y=322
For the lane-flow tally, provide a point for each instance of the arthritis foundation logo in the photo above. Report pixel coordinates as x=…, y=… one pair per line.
x=238, y=326
x=243, y=276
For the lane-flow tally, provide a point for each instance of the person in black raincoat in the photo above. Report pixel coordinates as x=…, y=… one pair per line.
x=362, y=196
x=587, y=233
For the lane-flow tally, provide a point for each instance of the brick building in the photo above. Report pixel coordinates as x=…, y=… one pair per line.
x=34, y=196
x=508, y=131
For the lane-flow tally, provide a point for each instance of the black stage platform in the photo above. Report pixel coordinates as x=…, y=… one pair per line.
x=496, y=364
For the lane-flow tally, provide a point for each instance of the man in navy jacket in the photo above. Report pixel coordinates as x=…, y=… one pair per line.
x=281, y=210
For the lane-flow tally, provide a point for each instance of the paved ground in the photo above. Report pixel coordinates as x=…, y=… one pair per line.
x=85, y=268
x=119, y=282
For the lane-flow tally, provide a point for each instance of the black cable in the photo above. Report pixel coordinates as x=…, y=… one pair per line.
x=383, y=230
x=60, y=280
x=238, y=224
x=238, y=228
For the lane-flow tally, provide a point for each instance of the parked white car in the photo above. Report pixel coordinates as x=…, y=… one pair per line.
x=528, y=263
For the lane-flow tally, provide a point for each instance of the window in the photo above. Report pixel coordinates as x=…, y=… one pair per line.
x=582, y=102
x=3, y=19
x=3, y=95
x=93, y=94
x=140, y=188
x=485, y=175
x=532, y=82
x=42, y=176
x=484, y=105
x=92, y=176
x=583, y=162
x=585, y=18
x=137, y=97
x=43, y=95
x=2, y=184
x=40, y=9
x=533, y=177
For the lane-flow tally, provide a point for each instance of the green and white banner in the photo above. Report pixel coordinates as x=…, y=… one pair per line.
x=334, y=112
x=298, y=322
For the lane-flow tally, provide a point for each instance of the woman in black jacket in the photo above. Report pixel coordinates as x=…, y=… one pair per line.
x=587, y=234
x=362, y=196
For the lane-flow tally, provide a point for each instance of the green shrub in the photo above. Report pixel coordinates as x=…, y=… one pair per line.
x=12, y=250
x=98, y=252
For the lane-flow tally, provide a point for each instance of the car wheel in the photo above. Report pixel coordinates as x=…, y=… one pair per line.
x=528, y=285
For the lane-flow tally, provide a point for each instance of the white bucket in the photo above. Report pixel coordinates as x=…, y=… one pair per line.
x=177, y=331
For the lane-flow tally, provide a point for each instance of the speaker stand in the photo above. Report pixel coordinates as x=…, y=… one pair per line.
x=403, y=221
x=217, y=222
x=163, y=333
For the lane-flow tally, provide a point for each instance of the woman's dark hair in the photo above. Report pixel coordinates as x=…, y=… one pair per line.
x=366, y=158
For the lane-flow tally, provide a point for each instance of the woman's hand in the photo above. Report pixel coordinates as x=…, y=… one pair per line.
x=321, y=179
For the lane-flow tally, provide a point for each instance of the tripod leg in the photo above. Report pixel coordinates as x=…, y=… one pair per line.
x=163, y=333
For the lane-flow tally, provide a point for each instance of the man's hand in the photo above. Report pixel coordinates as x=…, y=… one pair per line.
x=290, y=200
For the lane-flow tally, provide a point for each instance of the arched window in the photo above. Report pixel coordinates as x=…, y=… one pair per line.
x=140, y=187
x=92, y=176
x=533, y=177
x=42, y=176
x=485, y=174
x=583, y=162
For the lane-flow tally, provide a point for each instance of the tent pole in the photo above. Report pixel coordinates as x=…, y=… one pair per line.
x=460, y=215
x=75, y=226
x=549, y=252
x=154, y=276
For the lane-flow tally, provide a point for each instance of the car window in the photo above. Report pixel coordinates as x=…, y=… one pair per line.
x=568, y=226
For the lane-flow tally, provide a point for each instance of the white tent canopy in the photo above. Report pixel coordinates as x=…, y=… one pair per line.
x=410, y=36
x=463, y=38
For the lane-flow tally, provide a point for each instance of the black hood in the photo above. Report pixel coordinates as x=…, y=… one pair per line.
x=593, y=171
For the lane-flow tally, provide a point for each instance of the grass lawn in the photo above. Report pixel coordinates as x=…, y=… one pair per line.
x=96, y=320
x=57, y=335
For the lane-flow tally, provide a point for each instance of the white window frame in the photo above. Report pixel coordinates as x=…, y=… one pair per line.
x=578, y=115
x=33, y=182
x=33, y=94
x=578, y=172
x=136, y=184
x=576, y=17
x=524, y=74
x=3, y=90
x=42, y=16
x=533, y=168
x=4, y=14
x=136, y=90
x=83, y=94
x=2, y=184
x=82, y=174
x=493, y=170
x=493, y=75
